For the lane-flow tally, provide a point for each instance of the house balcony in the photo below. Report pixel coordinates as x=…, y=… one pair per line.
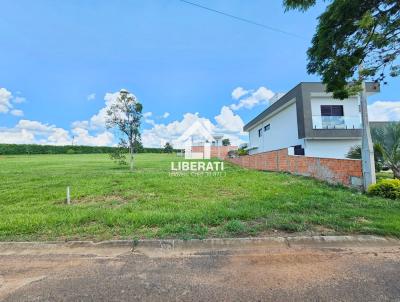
x=336, y=122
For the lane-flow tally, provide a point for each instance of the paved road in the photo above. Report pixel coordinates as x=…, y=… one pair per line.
x=244, y=274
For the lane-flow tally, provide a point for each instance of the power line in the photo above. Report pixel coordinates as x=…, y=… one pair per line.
x=242, y=19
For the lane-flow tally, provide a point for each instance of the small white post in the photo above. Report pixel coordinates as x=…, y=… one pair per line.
x=68, y=196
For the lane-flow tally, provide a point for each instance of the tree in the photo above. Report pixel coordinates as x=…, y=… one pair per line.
x=351, y=33
x=388, y=140
x=168, y=148
x=226, y=142
x=138, y=147
x=125, y=114
x=119, y=155
x=355, y=36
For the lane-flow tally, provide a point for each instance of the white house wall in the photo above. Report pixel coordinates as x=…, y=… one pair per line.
x=329, y=148
x=350, y=106
x=283, y=131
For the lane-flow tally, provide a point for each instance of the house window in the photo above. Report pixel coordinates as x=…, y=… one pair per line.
x=259, y=132
x=332, y=110
x=332, y=117
x=267, y=127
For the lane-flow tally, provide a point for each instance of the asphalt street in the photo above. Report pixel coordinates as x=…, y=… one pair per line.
x=238, y=274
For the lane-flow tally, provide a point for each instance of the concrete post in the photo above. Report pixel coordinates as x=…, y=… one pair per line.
x=367, y=148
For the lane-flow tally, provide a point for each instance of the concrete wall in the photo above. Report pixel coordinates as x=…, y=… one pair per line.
x=330, y=148
x=347, y=172
x=283, y=131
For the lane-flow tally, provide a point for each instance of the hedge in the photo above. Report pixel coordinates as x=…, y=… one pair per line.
x=13, y=149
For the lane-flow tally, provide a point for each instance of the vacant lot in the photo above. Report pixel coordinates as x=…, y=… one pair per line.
x=110, y=202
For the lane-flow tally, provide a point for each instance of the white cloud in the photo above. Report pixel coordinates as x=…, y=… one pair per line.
x=87, y=132
x=34, y=132
x=34, y=126
x=384, y=111
x=91, y=97
x=17, y=112
x=57, y=136
x=83, y=137
x=252, y=98
x=93, y=131
x=98, y=120
x=80, y=124
x=5, y=100
x=19, y=100
x=227, y=123
x=16, y=136
x=161, y=133
x=149, y=121
x=238, y=92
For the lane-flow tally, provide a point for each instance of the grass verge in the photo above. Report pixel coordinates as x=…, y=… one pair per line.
x=110, y=202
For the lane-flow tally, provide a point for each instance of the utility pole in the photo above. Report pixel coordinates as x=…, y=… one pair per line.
x=367, y=148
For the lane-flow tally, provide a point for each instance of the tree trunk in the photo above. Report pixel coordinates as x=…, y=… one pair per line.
x=131, y=157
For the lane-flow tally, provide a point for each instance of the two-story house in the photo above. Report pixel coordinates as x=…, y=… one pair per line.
x=310, y=120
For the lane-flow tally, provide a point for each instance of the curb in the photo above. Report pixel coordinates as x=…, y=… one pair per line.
x=218, y=243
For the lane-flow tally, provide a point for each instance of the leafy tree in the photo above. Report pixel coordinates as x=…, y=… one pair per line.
x=119, y=155
x=138, y=147
x=226, y=142
x=125, y=114
x=168, y=148
x=388, y=140
x=350, y=33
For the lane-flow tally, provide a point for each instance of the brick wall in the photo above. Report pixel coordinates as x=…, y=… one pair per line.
x=223, y=150
x=343, y=171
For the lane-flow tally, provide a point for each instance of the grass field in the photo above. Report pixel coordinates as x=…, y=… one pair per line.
x=110, y=202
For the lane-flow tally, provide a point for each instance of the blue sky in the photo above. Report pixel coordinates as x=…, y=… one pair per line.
x=174, y=57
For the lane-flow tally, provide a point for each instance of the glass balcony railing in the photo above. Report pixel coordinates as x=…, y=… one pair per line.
x=336, y=122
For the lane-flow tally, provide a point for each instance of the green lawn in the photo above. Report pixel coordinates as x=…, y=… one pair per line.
x=110, y=202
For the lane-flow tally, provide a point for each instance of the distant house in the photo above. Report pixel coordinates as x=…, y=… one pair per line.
x=310, y=120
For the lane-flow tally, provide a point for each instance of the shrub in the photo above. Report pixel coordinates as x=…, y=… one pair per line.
x=388, y=188
x=70, y=151
x=242, y=152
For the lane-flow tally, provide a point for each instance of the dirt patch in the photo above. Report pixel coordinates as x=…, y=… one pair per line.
x=114, y=200
x=362, y=220
x=103, y=199
x=322, y=230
